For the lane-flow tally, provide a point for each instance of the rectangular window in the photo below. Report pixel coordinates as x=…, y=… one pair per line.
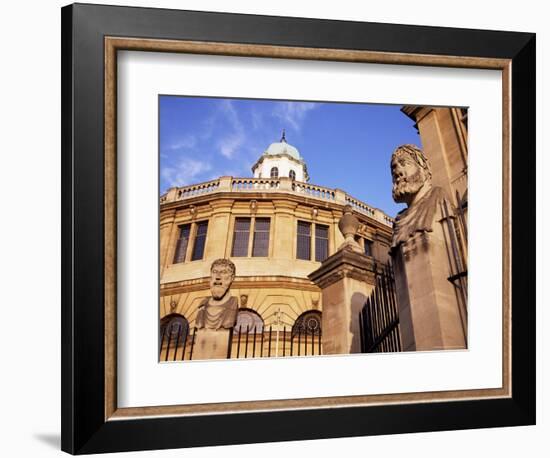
x=321, y=242
x=368, y=247
x=241, y=236
x=200, y=241
x=303, y=249
x=183, y=241
x=260, y=245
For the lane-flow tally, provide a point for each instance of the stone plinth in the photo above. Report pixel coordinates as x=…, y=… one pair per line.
x=346, y=279
x=429, y=316
x=211, y=344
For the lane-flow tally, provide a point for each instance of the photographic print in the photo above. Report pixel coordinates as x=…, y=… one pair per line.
x=306, y=228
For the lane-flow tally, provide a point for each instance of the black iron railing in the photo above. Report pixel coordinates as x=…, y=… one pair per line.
x=246, y=343
x=379, y=319
x=177, y=346
x=281, y=342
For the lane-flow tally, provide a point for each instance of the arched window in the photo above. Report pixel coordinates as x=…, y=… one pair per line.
x=174, y=328
x=308, y=323
x=274, y=172
x=248, y=319
x=292, y=175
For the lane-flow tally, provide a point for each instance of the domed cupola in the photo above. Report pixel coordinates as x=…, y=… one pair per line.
x=281, y=159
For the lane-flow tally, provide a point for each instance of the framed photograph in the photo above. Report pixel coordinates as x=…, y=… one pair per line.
x=271, y=222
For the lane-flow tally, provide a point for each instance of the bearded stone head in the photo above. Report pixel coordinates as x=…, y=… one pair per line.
x=410, y=172
x=222, y=274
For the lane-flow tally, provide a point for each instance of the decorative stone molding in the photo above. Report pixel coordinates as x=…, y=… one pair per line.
x=348, y=225
x=344, y=263
x=173, y=305
x=256, y=188
x=282, y=206
x=221, y=205
x=257, y=282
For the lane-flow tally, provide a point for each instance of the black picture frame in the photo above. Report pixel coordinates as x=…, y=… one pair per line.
x=84, y=426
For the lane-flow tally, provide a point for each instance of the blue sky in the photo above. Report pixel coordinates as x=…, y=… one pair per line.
x=346, y=146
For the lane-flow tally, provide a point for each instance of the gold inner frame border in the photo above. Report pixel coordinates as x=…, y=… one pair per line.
x=114, y=44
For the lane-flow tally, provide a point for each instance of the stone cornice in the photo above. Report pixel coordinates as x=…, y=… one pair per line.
x=286, y=200
x=284, y=205
x=416, y=113
x=344, y=264
x=167, y=216
x=221, y=205
x=275, y=281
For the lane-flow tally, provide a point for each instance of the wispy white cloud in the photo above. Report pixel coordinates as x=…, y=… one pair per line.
x=257, y=119
x=189, y=141
x=293, y=114
x=186, y=171
x=228, y=110
x=230, y=143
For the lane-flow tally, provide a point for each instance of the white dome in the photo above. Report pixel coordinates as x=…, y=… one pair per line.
x=283, y=147
x=281, y=160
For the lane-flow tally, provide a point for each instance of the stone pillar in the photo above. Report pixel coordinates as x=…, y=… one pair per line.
x=167, y=227
x=211, y=343
x=340, y=196
x=429, y=316
x=284, y=240
x=217, y=228
x=225, y=184
x=285, y=184
x=346, y=279
x=171, y=194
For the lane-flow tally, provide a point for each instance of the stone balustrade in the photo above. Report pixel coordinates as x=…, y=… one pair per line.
x=255, y=184
x=360, y=206
x=282, y=184
x=186, y=192
x=313, y=190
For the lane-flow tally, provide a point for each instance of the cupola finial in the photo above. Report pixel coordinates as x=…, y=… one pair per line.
x=283, y=137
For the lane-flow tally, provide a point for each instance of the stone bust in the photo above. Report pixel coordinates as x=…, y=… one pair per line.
x=219, y=311
x=412, y=185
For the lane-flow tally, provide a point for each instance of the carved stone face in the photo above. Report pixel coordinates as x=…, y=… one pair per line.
x=407, y=176
x=221, y=278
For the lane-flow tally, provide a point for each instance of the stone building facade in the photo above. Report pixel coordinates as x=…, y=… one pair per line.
x=276, y=229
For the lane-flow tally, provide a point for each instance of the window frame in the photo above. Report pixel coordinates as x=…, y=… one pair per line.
x=246, y=255
x=253, y=236
x=192, y=241
x=315, y=225
x=313, y=239
x=298, y=221
x=180, y=228
x=370, y=243
x=251, y=233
